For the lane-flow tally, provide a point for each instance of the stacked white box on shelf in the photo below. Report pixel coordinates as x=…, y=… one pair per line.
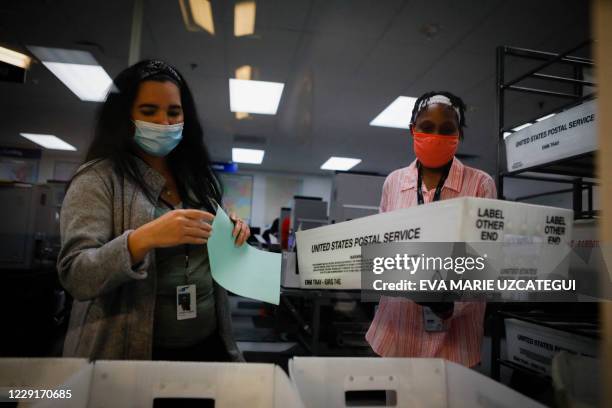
x=403, y=382
x=329, y=256
x=585, y=235
x=566, y=134
x=59, y=382
x=589, y=261
x=118, y=384
x=534, y=346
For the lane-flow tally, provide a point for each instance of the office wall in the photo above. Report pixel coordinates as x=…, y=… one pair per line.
x=272, y=190
x=56, y=164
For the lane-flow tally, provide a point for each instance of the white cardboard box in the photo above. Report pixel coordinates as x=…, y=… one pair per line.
x=567, y=134
x=118, y=384
x=585, y=241
x=534, y=346
x=53, y=374
x=330, y=256
x=409, y=382
x=589, y=261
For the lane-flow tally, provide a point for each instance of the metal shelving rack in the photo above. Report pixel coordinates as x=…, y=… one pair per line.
x=582, y=324
x=574, y=170
x=576, y=167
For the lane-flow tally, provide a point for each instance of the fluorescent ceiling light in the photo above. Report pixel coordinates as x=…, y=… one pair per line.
x=244, y=72
x=14, y=58
x=396, y=115
x=48, y=141
x=523, y=126
x=88, y=82
x=340, y=163
x=78, y=70
x=545, y=117
x=251, y=156
x=255, y=96
x=244, y=18
x=197, y=15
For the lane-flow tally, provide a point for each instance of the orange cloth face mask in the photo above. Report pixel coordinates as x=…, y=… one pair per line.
x=434, y=151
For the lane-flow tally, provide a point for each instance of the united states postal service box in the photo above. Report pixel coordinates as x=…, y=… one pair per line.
x=118, y=384
x=49, y=382
x=329, y=257
x=566, y=134
x=534, y=346
x=338, y=382
x=590, y=261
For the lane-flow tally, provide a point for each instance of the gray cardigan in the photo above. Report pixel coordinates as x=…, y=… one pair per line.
x=114, y=305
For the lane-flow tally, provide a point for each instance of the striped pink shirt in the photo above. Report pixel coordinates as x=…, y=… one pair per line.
x=397, y=329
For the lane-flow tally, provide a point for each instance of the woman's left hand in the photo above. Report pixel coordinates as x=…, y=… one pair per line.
x=241, y=230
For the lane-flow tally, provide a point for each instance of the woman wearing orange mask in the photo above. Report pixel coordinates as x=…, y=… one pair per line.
x=402, y=328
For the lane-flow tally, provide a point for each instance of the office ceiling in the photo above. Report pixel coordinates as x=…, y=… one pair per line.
x=343, y=62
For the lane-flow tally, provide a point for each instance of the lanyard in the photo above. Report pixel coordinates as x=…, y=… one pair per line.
x=171, y=207
x=438, y=192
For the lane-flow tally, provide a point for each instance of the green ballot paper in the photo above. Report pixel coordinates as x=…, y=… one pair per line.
x=244, y=270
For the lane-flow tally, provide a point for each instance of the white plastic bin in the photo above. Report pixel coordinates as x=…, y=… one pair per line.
x=405, y=382
x=70, y=375
x=534, y=346
x=118, y=384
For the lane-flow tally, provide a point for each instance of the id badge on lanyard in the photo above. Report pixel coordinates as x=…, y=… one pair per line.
x=186, y=302
x=185, y=294
x=431, y=321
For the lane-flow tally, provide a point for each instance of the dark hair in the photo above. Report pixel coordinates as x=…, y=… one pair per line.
x=421, y=104
x=113, y=139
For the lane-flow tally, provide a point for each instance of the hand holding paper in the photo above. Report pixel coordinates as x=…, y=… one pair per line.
x=243, y=270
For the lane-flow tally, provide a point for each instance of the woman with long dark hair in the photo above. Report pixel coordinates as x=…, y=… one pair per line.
x=401, y=327
x=134, y=226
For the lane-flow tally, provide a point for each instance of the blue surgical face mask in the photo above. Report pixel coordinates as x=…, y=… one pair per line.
x=157, y=140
